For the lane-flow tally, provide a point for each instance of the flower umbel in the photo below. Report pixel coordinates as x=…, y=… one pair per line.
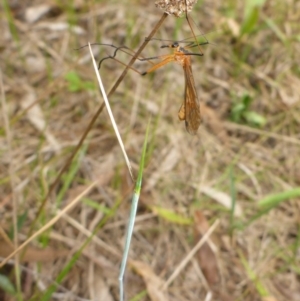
x=175, y=7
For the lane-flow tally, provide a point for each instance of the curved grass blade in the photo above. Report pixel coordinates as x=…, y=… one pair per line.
x=273, y=200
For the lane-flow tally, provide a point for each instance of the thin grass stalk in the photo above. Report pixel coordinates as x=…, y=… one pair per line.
x=233, y=198
x=13, y=182
x=111, y=116
x=133, y=209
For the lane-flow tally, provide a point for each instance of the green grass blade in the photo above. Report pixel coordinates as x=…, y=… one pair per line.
x=64, y=272
x=273, y=200
x=172, y=216
x=96, y=206
x=263, y=292
x=251, y=15
x=233, y=197
x=134, y=204
x=10, y=19
x=139, y=296
x=69, y=177
x=269, y=202
x=272, y=25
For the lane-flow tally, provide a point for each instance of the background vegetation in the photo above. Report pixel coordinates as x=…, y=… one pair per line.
x=242, y=170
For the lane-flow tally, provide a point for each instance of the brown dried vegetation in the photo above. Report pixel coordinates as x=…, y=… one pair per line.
x=47, y=101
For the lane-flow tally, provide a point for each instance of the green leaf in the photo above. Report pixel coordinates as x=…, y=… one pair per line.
x=251, y=4
x=247, y=100
x=251, y=14
x=76, y=84
x=250, y=21
x=254, y=119
x=237, y=112
x=6, y=285
x=74, y=81
x=240, y=112
x=171, y=216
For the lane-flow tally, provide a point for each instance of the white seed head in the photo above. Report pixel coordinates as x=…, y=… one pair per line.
x=175, y=7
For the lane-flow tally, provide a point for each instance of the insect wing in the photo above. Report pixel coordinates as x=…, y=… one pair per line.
x=191, y=102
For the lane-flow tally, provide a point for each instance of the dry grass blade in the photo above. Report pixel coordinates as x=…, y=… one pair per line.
x=250, y=73
x=111, y=114
x=152, y=281
x=207, y=254
x=192, y=253
x=50, y=223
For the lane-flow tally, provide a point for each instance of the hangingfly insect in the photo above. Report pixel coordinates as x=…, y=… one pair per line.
x=190, y=109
